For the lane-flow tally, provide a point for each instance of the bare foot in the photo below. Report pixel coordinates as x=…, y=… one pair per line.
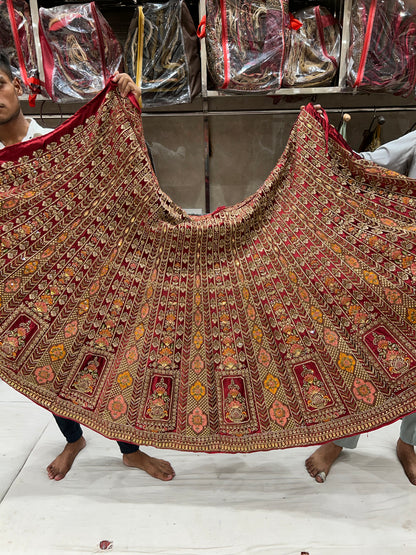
x=407, y=457
x=321, y=460
x=157, y=468
x=63, y=462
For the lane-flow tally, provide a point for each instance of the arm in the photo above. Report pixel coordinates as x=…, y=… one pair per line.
x=398, y=155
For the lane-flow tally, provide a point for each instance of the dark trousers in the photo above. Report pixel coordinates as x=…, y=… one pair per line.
x=73, y=431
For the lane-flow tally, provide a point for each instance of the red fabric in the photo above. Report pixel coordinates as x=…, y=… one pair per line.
x=286, y=320
x=295, y=24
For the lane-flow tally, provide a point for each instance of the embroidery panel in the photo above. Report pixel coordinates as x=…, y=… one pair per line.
x=286, y=320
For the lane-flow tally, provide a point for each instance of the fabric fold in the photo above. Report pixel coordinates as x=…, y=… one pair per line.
x=286, y=320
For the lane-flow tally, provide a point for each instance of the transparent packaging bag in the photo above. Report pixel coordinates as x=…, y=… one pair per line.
x=314, y=52
x=17, y=42
x=80, y=51
x=382, y=51
x=162, y=54
x=246, y=43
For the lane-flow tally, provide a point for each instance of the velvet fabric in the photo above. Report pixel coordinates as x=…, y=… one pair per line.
x=286, y=320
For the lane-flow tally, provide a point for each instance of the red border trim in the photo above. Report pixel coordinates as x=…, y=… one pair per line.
x=367, y=38
x=225, y=49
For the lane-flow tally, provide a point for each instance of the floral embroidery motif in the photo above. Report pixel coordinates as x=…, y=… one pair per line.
x=57, y=352
x=197, y=391
x=411, y=315
x=251, y=313
x=117, y=407
x=71, y=329
x=279, y=413
x=44, y=374
x=87, y=376
x=351, y=261
x=359, y=316
x=314, y=390
x=235, y=405
x=397, y=361
x=371, y=278
x=393, y=296
x=271, y=383
x=197, y=364
x=132, y=355
x=83, y=307
x=198, y=340
x=264, y=358
x=12, y=342
x=316, y=314
x=364, y=391
x=12, y=285
x=346, y=362
x=159, y=402
x=139, y=332
x=197, y=420
x=331, y=337
x=257, y=334
x=124, y=380
x=31, y=267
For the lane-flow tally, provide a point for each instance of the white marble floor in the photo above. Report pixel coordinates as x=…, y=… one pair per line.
x=262, y=503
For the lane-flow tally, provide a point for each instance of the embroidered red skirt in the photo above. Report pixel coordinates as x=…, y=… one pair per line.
x=286, y=320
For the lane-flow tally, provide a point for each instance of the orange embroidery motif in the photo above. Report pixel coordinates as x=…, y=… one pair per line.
x=57, y=352
x=346, y=362
x=371, y=278
x=124, y=380
x=197, y=391
x=271, y=383
x=139, y=332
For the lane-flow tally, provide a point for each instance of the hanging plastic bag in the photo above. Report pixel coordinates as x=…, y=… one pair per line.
x=162, y=54
x=246, y=43
x=313, y=57
x=17, y=42
x=80, y=51
x=382, y=52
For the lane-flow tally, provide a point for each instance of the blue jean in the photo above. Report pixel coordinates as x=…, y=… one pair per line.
x=407, y=434
x=73, y=432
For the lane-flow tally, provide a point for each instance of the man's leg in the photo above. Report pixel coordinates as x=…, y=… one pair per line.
x=158, y=468
x=405, y=447
x=319, y=463
x=75, y=442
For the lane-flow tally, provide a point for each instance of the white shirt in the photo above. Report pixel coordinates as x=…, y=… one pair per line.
x=34, y=130
x=398, y=155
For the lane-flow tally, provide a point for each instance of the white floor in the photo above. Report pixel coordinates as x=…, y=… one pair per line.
x=262, y=503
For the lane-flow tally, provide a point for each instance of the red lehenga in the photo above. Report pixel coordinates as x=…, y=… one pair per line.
x=286, y=320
